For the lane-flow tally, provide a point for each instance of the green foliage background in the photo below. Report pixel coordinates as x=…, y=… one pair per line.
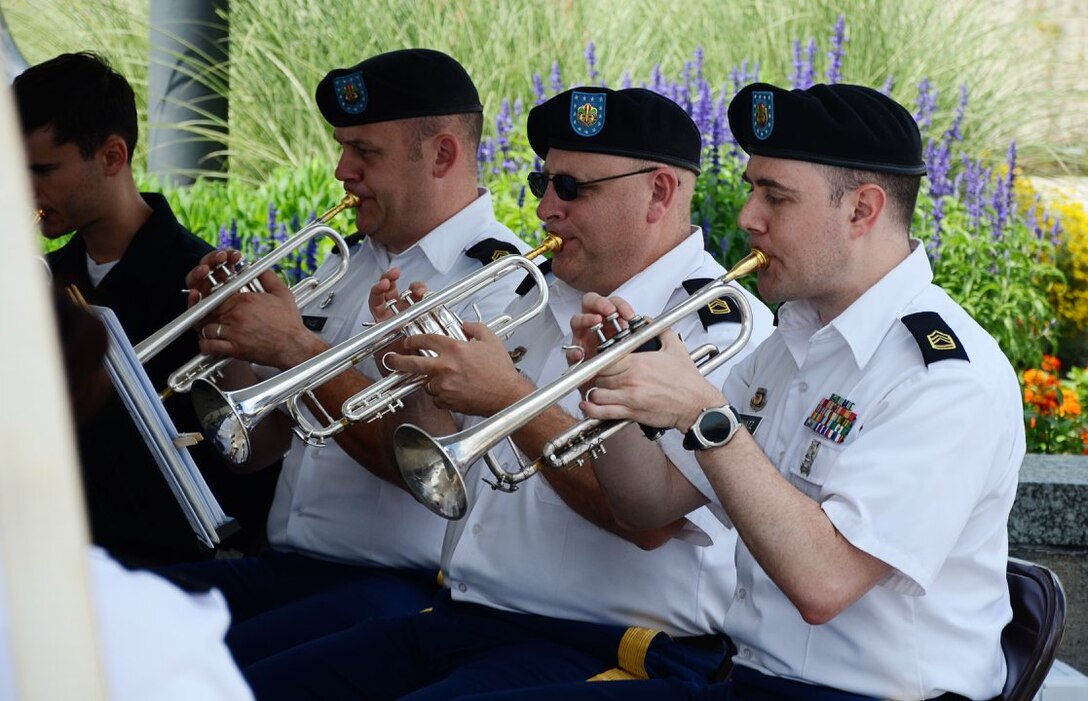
x=281, y=48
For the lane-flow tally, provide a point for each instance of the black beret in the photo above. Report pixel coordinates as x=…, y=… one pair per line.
x=850, y=126
x=635, y=122
x=396, y=85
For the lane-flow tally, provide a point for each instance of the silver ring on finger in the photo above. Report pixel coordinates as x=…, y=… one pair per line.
x=219, y=331
x=589, y=393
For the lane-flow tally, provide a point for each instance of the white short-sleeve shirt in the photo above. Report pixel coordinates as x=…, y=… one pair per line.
x=328, y=506
x=529, y=552
x=914, y=464
x=157, y=643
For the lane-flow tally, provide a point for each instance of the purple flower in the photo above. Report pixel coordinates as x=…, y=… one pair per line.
x=625, y=82
x=1056, y=233
x=224, y=237
x=927, y=104
x=556, y=79
x=591, y=63
x=272, y=212
x=888, y=86
x=703, y=108
x=540, y=96
x=954, y=130
x=521, y=197
x=657, y=81
x=838, y=38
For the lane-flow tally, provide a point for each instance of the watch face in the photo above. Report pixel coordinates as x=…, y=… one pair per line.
x=715, y=427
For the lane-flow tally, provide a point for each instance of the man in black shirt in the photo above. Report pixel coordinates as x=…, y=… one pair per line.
x=130, y=254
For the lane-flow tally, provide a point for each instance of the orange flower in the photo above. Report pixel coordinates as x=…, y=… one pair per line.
x=1050, y=364
x=1070, y=405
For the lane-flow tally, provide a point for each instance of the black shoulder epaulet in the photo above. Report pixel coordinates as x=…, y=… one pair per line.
x=934, y=336
x=490, y=250
x=351, y=241
x=528, y=283
x=717, y=311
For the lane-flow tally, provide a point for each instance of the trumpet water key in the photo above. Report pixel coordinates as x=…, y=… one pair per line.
x=243, y=278
x=227, y=417
x=434, y=468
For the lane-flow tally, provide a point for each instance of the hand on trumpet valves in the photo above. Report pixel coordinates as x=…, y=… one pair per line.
x=601, y=318
x=209, y=273
x=264, y=328
x=474, y=377
x=386, y=301
x=663, y=388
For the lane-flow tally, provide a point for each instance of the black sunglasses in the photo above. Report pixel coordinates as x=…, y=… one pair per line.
x=566, y=187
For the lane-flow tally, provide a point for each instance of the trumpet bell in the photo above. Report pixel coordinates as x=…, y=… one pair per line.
x=430, y=472
x=224, y=426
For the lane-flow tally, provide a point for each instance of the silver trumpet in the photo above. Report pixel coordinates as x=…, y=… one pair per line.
x=227, y=417
x=243, y=278
x=434, y=468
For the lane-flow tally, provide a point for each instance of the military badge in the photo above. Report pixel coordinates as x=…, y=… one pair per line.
x=587, y=113
x=762, y=114
x=719, y=306
x=351, y=92
x=759, y=399
x=810, y=457
x=833, y=418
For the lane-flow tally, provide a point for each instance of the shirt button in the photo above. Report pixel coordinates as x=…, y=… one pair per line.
x=462, y=587
x=741, y=593
x=803, y=386
x=746, y=652
x=477, y=529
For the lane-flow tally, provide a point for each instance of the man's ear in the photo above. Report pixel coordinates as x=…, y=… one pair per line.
x=869, y=202
x=113, y=154
x=447, y=153
x=662, y=194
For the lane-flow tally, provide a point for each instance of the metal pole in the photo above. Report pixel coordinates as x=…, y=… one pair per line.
x=188, y=82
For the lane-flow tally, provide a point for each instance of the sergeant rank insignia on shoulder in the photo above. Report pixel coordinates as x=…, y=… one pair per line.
x=718, y=310
x=490, y=250
x=935, y=337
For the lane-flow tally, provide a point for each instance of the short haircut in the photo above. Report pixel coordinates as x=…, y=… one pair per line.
x=81, y=97
x=468, y=127
x=902, y=190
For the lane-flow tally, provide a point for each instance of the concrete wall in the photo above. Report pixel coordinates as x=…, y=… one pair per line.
x=1049, y=525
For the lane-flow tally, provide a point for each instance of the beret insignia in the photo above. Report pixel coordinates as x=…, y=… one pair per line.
x=351, y=92
x=762, y=114
x=935, y=337
x=587, y=113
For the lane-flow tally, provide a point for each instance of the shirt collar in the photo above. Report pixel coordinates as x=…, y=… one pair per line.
x=444, y=245
x=648, y=291
x=862, y=325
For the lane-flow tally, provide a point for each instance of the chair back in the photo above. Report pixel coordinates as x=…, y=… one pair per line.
x=1030, y=640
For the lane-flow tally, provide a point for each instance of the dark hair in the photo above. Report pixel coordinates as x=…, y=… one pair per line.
x=81, y=97
x=468, y=126
x=902, y=190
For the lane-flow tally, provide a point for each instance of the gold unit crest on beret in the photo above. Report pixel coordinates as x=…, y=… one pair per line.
x=587, y=113
x=762, y=114
x=351, y=92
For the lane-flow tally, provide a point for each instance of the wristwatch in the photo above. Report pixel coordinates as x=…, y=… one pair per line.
x=715, y=427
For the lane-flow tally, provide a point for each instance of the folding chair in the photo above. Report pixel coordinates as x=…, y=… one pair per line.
x=1030, y=640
